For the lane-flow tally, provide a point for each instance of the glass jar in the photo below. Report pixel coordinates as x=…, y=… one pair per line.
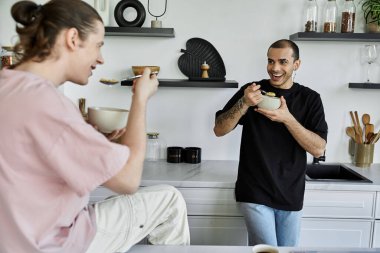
x=311, y=16
x=153, y=147
x=330, y=17
x=348, y=17
x=6, y=56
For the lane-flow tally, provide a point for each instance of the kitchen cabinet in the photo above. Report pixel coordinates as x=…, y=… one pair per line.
x=376, y=235
x=330, y=218
x=337, y=218
x=215, y=230
x=334, y=214
x=335, y=233
x=214, y=218
x=377, y=214
x=139, y=31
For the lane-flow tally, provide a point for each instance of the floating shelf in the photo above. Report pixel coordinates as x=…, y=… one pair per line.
x=364, y=85
x=192, y=84
x=317, y=36
x=139, y=31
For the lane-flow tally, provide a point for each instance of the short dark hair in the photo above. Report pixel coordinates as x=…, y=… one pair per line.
x=284, y=43
x=39, y=25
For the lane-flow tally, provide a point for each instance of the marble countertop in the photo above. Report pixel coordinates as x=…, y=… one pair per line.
x=223, y=173
x=237, y=249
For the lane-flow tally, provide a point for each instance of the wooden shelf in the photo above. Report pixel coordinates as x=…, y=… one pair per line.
x=364, y=85
x=192, y=84
x=318, y=36
x=139, y=31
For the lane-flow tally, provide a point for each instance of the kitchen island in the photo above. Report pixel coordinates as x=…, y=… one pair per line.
x=335, y=214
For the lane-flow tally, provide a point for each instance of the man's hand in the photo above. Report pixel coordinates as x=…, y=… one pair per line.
x=252, y=95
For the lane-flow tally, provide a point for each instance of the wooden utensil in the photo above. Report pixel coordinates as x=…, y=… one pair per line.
x=366, y=118
x=369, y=137
x=368, y=128
x=358, y=126
x=375, y=138
x=350, y=131
x=357, y=133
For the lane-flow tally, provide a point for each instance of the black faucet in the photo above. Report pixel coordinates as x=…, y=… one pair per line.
x=322, y=158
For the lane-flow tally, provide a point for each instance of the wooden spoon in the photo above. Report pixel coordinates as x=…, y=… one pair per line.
x=366, y=118
x=350, y=131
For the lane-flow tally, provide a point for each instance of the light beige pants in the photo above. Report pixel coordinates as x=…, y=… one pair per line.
x=158, y=212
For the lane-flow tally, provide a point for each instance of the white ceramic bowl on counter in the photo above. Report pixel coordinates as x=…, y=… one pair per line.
x=107, y=119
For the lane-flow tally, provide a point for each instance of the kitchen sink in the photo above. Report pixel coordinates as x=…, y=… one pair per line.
x=333, y=173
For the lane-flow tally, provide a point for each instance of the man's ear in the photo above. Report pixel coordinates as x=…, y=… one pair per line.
x=72, y=38
x=297, y=64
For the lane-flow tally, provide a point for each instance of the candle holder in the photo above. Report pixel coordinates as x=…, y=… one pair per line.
x=157, y=23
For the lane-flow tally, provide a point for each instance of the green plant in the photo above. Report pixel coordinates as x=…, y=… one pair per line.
x=371, y=10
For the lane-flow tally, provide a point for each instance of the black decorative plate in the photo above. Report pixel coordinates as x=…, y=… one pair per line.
x=197, y=52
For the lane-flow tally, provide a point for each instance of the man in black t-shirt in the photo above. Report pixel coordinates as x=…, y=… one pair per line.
x=271, y=178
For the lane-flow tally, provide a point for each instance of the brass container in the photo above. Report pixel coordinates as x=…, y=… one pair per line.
x=363, y=155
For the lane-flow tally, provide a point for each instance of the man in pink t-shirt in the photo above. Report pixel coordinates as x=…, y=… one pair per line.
x=51, y=159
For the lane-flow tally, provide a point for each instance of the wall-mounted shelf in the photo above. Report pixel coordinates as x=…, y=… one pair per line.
x=192, y=84
x=364, y=85
x=317, y=36
x=139, y=31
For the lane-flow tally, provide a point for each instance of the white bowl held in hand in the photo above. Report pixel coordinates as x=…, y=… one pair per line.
x=107, y=119
x=269, y=103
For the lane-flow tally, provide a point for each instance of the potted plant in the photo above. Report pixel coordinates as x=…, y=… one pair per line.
x=371, y=11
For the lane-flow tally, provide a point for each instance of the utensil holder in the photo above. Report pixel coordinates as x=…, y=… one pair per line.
x=363, y=155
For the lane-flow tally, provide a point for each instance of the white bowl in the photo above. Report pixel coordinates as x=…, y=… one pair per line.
x=264, y=248
x=107, y=119
x=269, y=103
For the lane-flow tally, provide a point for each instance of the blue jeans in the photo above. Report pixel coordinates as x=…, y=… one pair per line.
x=271, y=226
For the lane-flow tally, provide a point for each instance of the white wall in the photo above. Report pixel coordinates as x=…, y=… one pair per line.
x=241, y=31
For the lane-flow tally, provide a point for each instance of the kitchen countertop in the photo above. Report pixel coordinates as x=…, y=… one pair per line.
x=222, y=174
x=236, y=249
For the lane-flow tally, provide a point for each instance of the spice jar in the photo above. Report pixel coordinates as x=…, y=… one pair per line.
x=155, y=148
x=330, y=17
x=311, y=16
x=348, y=17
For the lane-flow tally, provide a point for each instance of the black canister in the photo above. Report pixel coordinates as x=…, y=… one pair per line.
x=174, y=154
x=193, y=155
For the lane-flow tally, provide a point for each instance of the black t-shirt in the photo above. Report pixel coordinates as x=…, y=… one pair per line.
x=272, y=164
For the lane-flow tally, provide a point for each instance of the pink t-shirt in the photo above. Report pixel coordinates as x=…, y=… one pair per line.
x=50, y=160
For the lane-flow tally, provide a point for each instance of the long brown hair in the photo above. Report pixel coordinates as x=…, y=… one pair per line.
x=39, y=25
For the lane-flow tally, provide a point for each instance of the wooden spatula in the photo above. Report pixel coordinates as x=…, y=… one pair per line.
x=368, y=127
x=358, y=138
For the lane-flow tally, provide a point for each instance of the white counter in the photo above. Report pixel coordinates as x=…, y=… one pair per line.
x=233, y=249
x=222, y=174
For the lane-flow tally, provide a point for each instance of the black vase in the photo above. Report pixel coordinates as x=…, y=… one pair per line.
x=124, y=4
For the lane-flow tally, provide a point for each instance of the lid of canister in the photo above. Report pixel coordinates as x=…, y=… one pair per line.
x=152, y=135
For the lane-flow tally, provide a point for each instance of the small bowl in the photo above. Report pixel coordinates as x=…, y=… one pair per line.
x=107, y=119
x=138, y=70
x=269, y=103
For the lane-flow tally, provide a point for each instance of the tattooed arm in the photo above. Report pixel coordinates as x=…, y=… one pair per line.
x=227, y=121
